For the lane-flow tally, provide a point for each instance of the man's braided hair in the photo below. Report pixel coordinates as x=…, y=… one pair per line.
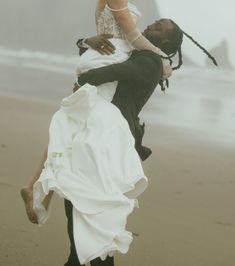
x=174, y=47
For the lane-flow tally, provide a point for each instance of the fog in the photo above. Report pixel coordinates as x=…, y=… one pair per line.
x=42, y=35
x=187, y=215
x=209, y=21
x=55, y=26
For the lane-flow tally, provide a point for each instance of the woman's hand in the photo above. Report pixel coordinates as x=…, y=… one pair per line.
x=101, y=44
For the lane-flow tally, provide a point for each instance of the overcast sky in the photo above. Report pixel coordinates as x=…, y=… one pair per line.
x=209, y=21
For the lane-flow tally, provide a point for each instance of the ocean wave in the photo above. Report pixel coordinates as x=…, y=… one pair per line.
x=38, y=60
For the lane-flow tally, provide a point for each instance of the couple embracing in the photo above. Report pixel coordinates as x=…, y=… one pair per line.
x=93, y=159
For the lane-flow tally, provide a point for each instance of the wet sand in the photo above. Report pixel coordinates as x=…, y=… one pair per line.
x=186, y=216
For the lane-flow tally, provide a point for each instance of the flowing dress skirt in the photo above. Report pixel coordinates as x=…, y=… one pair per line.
x=93, y=163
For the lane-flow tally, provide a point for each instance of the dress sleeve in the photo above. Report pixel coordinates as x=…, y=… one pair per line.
x=133, y=34
x=99, y=8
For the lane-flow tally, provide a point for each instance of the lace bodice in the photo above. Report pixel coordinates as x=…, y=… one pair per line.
x=108, y=25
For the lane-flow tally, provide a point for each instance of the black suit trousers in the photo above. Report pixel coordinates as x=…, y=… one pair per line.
x=73, y=258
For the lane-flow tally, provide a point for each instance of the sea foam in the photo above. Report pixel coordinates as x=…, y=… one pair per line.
x=38, y=60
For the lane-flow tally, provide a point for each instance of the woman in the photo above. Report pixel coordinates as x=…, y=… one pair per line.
x=115, y=174
x=102, y=181
x=141, y=42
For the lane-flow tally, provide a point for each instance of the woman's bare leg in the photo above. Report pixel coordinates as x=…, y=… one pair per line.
x=38, y=170
x=27, y=192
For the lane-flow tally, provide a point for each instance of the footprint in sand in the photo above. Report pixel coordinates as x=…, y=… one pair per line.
x=3, y=146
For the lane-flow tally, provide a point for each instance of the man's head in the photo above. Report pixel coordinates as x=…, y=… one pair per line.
x=168, y=36
x=165, y=34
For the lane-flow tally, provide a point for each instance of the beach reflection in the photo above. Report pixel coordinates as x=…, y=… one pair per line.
x=203, y=103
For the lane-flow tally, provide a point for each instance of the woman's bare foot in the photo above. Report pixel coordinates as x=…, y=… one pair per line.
x=27, y=195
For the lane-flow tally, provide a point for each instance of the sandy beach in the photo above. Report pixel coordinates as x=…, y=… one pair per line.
x=186, y=216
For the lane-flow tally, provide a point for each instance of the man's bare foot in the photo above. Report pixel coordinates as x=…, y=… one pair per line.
x=27, y=195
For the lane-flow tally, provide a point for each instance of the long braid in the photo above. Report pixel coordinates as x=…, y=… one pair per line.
x=176, y=39
x=163, y=86
x=180, y=60
x=202, y=48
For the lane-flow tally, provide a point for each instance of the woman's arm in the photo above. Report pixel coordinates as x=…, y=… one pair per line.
x=99, y=8
x=122, y=14
x=132, y=33
x=127, y=24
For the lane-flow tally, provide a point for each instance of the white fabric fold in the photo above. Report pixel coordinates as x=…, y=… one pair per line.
x=92, y=162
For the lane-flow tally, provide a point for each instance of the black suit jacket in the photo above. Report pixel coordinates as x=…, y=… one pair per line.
x=137, y=78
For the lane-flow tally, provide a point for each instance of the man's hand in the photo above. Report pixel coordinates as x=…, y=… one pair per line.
x=101, y=44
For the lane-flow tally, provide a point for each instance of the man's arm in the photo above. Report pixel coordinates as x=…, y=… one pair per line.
x=145, y=68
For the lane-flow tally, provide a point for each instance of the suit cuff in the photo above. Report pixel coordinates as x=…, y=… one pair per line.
x=82, y=44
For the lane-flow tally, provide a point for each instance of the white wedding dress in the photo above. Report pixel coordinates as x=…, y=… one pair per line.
x=92, y=159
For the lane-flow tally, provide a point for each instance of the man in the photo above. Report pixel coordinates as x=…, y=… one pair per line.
x=137, y=78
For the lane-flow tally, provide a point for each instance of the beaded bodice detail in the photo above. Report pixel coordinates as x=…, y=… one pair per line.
x=107, y=23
